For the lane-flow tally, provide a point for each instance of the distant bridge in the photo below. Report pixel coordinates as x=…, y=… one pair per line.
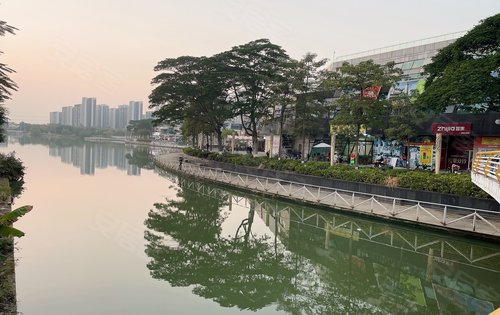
x=486, y=172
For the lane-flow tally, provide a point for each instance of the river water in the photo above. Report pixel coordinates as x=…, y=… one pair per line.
x=110, y=234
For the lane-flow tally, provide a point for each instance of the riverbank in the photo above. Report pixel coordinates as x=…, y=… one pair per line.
x=8, y=302
x=164, y=144
x=454, y=219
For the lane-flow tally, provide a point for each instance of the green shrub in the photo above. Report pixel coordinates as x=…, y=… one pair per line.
x=12, y=169
x=458, y=184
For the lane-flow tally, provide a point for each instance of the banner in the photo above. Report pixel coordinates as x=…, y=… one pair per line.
x=426, y=155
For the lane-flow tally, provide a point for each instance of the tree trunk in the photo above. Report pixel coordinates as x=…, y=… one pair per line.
x=255, y=139
x=356, y=147
x=282, y=122
x=220, y=145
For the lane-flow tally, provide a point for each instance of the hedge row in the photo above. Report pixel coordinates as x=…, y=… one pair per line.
x=457, y=184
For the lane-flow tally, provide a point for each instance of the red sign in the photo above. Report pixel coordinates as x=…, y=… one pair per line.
x=372, y=92
x=452, y=129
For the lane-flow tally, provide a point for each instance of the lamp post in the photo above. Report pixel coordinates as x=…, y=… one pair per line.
x=333, y=136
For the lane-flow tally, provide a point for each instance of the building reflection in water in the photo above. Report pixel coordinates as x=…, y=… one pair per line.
x=317, y=262
x=89, y=156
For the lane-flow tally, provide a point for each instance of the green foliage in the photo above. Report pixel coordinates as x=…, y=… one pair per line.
x=12, y=169
x=67, y=131
x=353, y=109
x=256, y=71
x=192, y=91
x=457, y=184
x=141, y=128
x=404, y=119
x=7, y=86
x=467, y=72
x=5, y=191
x=6, y=220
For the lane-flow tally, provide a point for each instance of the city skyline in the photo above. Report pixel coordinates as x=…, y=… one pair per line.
x=65, y=48
x=89, y=114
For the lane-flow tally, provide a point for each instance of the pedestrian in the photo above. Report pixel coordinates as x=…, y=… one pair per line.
x=181, y=159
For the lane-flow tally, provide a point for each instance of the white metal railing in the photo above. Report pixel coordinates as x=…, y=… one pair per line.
x=487, y=163
x=454, y=217
x=455, y=251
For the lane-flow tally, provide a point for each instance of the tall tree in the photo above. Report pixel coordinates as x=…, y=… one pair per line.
x=6, y=83
x=467, y=72
x=310, y=110
x=254, y=73
x=191, y=88
x=141, y=128
x=359, y=104
x=404, y=119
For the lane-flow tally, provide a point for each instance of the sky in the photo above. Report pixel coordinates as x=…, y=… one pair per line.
x=67, y=49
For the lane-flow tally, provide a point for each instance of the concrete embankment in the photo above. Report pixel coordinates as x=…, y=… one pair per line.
x=451, y=218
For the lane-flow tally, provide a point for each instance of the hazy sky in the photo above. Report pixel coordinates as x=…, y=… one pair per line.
x=66, y=49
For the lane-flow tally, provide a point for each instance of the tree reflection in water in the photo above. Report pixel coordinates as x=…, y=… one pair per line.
x=310, y=267
x=186, y=247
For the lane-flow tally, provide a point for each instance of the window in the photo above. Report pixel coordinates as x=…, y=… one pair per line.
x=407, y=65
x=418, y=63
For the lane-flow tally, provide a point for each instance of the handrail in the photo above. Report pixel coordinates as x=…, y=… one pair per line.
x=487, y=163
x=369, y=195
x=484, y=222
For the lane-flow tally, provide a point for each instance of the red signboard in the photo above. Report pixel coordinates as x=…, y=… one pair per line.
x=452, y=129
x=372, y=92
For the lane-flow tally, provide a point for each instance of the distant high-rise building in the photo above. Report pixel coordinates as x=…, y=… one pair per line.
x=134, y=111
x=55, y=118
x=88, y=112
x=102, y=116
x=75, y=118
x=112, y=118
x=67, y=116
x=122, y=117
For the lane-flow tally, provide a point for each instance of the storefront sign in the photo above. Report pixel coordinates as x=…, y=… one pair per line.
x=452, y=129
x=490, y=141
x=372, y=92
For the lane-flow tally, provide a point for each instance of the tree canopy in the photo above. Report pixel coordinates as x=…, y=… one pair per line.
x=467, y=72
x=244, y=271
x=141, y=128
x=256, y=71
x=7, y=85
x=191, y=90
x=359, y=103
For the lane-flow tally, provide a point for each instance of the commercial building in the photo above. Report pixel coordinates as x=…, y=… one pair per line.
x=462, y=133
x=410, y=57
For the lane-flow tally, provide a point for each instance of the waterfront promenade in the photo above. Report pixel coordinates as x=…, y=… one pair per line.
x=453, y=219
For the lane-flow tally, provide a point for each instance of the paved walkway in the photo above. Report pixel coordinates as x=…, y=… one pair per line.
x=469, y=221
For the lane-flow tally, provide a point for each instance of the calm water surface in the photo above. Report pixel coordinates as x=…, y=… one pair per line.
x=109, y=234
